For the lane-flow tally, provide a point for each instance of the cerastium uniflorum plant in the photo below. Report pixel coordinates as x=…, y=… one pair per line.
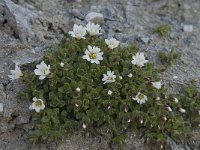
x=168, y=58
x=163, y=29
x=88, y=82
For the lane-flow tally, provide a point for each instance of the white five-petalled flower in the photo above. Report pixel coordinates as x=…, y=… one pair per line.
x=109, y=77
x=93, y=54
x=15, y=74
x=37, y=104
x=140, y=98
x=78, y=32
x=157, y=85
x=42, y=70
x=112, y=43
x=93, y=29
x=139, y=60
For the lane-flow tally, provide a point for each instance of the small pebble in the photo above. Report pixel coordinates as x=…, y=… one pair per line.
x=1, y=108
x=175, y=77
x=187, y=28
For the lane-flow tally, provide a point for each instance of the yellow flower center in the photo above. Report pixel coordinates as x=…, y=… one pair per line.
x=92, y=55
x=141, y=96
x=44, y=70
x=38, y=103
x=110, y=78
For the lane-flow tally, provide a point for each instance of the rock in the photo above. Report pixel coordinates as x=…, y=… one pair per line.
x=94, y=17
x=1, y=18
x=175, y=77
x=187, y=28
x=1, y=109
x=76, y=13
x=175, y=146
x=2, y=98
x=19, y=19
x=145, y=40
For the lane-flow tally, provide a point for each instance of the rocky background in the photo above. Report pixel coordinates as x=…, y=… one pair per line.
x=29, y=27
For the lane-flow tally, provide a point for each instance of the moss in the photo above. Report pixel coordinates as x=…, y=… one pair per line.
x=163, y=29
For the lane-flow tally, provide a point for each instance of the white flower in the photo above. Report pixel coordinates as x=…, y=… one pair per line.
x=78, y=32
x=112, y=43
x=42, y=70
x=109, y=77
x=175, y=100
x=93, y=29
x=157, y=98
x=110, y=92
x=182, y=110
x=169, y=108
x=78, y=89
x=37, y=104
x=130, y=75
x=120, y=77
x=139, y=60
x=157, y=85
x=93, y=54
x=140, y=98
x=165, y=118
x=62, y=64
x=15, y=74
x=84, y=126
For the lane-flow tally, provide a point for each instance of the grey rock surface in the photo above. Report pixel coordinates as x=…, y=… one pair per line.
x=19, y=18
x=94, y=17
x=29, y=27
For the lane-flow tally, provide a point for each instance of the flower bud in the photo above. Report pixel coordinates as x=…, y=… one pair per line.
x=110, y=92
x=62, y=64
x=78, y=89
x=130, y=75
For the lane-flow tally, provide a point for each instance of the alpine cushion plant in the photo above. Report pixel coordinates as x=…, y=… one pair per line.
x=90, y=84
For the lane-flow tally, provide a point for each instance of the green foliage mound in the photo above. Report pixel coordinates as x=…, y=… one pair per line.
x=68, y=109
x=168, y=58
x=163, y=29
